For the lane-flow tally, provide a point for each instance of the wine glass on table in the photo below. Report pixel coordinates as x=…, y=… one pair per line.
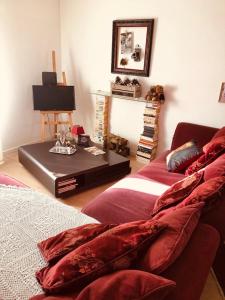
x=62, y=137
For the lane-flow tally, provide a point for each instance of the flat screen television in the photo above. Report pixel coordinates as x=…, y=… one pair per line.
x=53, y=97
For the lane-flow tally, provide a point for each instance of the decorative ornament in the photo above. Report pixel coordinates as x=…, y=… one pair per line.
x=124, y=61
x=155, y=94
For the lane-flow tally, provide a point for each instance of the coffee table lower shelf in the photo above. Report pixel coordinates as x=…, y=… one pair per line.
x=65, y=176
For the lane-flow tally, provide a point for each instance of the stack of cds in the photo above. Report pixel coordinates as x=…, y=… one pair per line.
x=101, y=120
x=147, y=145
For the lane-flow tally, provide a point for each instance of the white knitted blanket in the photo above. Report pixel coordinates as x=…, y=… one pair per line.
x=27, y=217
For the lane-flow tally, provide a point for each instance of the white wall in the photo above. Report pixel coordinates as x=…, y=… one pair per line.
x=187, y=58
x=30, y=29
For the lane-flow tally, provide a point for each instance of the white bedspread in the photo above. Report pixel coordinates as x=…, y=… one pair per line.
x=27, y=217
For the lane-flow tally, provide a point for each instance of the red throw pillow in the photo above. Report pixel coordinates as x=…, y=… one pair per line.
x=169, y=245
x=177, y=192
x=182, y=157
x=211, y=151
x=117, y=286
x=59, y=245
x=210, y=192
x=215, y=145
x=216, y=168
x=128, y=285
x=220, y=132
x=115, y=249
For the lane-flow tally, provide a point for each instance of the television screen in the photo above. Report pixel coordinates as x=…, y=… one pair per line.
x=53, y=97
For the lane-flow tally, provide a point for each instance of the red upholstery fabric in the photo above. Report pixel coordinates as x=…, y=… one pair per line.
x=170, y=244
x=157, y=171
x=220, y=132
x=180, y=158
x=121, y=285
x=128, y=285
x=210, y=192
x=211, y=151
x=115, y=249
x=7, y=180
x=216, y=168
x=59, y=245
x=177, y=192
x=194, y=264
x=117, y=205
x=216, y=144
x=184, y=132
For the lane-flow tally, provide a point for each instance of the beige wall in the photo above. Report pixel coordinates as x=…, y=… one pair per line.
x=187, y=58
x=30, y=29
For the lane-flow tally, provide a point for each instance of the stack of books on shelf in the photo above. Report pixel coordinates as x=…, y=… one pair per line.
x=101, y=120
x=147, y=145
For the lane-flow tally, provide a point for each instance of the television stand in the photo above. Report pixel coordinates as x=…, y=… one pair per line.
x=51, y=117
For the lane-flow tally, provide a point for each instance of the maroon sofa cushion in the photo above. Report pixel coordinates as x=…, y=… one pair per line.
x=220, y=132
x=209, y=192
x=177, y=192
x=59, y=245
x=216, y=168
x=170, y=244
x=119, y=205
x=121, y=285
x=128, y=285
x=157, y=170
x=115, y=249
x=211, y=151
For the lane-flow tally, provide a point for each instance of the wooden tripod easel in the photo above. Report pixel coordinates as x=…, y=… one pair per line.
x=51, y=117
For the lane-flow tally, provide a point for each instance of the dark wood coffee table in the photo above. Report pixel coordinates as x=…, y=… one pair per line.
x=64, y=175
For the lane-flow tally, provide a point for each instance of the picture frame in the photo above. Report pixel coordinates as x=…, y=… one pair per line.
x=84, y=140
x=132, y=46
x=222, y=93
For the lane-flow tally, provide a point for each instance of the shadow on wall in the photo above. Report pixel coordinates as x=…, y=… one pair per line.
x=169, y=92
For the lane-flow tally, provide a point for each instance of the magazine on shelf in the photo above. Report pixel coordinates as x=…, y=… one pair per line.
x=94, y=150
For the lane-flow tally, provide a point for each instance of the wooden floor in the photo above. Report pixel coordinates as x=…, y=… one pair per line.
x=12, y=167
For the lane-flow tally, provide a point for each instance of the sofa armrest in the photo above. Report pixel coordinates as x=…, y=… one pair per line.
x=184, y=132
x=191, y=269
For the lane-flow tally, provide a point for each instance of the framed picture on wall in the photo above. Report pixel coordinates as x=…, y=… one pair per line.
x=131, y=46
x=222, y=93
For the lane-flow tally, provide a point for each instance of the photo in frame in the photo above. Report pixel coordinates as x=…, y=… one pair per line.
x=131, y=46
x=222, y=93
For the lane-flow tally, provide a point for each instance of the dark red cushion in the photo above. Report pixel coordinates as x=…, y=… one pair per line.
x=59, y=245
x=220, y=132
x=122, y=205
x=210, y=192
x=211, y=151
x=115, y=249
x=177, y=192
x=128, y=285
x=157, y=170
x=216, y=144
x=121, y=285
x=182, y=157
x=169, y=245
x=216, y=168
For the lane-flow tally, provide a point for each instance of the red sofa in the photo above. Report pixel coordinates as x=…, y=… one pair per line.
x=191, y=269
